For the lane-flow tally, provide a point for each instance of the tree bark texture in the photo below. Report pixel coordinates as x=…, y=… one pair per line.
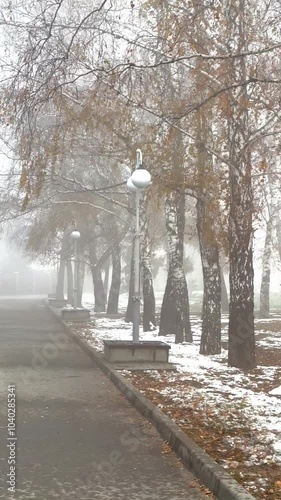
x=99, y=294
x=113, y=298
x=241, y=352
x=149, y=320
x=64, y=254
x=81, y=277
x=175, y=317
x=130, y=306
x=211, y=311
x=224, y=295
x=60, y=278
x=265, y=278
x=70, y=297
x=209, y=251
x=106, y=278
x=278, y=234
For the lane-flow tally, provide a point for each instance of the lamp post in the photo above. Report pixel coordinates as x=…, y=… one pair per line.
x=75, y=235
x=138, y=182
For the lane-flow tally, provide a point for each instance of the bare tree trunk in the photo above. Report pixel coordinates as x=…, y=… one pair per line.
x=241, y=352
x=99, y=293
x=224, y=295
x=60, y=278
x=278, y=234
x=81, y=276
x=69, y=270
x=175, y=307
x=265, y=279
x=206, y=215
x=211, y=311
x=106, y=278
x=113, y=298
x=130, y=306
x=149, y=320
x=64, y=254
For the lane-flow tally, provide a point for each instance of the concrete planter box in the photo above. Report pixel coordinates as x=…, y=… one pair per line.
x=120, y=351
x=110, y=316
x=53, y=302
x=75, y=314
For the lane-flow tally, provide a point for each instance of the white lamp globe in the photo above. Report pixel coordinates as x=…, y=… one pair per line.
x=75, y=235
x=141, y=178
x=131, y=186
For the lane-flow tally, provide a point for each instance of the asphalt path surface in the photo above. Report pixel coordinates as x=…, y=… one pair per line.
x=76, y=435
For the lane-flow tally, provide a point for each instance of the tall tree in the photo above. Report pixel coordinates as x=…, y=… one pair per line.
x=96, y=270
x=129, y=316
x=69, y=272
x=241, y=352
x=224, y=294
x=63, y=257
x=266, y=268
x=113, y=298
x=208, y=241
x=175, y=318
x=149, y=320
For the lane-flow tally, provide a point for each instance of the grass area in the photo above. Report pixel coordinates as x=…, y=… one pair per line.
x=233, y=415
x=220, y=417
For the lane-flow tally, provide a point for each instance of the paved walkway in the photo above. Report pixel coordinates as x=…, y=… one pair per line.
x=77, y=437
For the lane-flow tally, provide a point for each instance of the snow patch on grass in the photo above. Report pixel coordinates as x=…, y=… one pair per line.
x=224, y=395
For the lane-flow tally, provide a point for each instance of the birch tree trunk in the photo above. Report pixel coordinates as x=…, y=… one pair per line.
x=81, y=277
x=241, y=352
x=64, y=254
x=209, y=251
x=278, y=235
x=265, y=279
x=106, y=278
x=113, y=298
x=70, y=297
x=224, y=295
x=130, y=307
x=211, y=311
x=149, y=320
x=60, y=278
x=99, y=294
x=175, y=317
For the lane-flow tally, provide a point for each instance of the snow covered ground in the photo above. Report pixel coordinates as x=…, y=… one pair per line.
x=246, y=408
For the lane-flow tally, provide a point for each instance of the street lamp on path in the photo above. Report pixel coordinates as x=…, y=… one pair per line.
x=75, y=235
x=137, y=183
